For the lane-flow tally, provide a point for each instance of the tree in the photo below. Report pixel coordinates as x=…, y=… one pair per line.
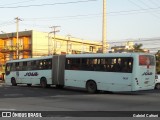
x=138, y=47
x=158, y=62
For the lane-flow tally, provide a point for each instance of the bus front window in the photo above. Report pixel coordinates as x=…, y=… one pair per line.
x=8, y=69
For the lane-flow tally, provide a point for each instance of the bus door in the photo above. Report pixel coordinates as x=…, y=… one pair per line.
x=58, y=67
x=146, y=71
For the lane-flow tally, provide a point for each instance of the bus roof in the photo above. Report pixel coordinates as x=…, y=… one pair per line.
x=106, y=55
x=84, y=56
x=29, y=59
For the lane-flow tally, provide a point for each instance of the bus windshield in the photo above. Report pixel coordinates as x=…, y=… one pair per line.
x=146, y=60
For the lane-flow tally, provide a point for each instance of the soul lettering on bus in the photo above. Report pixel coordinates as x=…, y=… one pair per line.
x=31, y=74
x=147, y=73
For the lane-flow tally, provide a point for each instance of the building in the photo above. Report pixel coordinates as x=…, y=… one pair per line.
x=127, y=47
x=36, y=44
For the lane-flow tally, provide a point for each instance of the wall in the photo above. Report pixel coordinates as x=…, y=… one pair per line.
x=39, y=44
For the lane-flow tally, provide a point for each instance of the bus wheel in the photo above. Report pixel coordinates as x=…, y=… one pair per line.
x=59, y=86
x=91, y=87
x=43, y=82
x=13, y=81
x=29, y=85
x=157, y=86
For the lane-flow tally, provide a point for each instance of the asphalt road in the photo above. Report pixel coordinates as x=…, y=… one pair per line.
x=35, y=98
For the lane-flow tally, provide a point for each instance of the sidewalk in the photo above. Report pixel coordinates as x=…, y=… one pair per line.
x=2, y=82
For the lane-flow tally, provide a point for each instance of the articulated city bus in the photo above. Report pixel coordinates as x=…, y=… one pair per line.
x=107, y=72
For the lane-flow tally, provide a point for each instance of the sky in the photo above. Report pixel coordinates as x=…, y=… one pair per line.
x=127, y=20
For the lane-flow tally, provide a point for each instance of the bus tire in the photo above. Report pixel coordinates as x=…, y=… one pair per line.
x=157, y=86
x=59, y=86
x=13, y=82
x=43, y=82
x=48, y=86
x=91, y=86
x=29, y=85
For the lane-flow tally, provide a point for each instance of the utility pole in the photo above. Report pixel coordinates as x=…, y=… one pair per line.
x=50, y=44
x=69, y=37
x=17, y=30
x=82, y=51
x=104, y=28
x=54, y=32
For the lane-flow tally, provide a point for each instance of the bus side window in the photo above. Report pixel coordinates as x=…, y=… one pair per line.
x=127, y=65
x=33, y=65
x=49, y=61
x=17, y=66
x=28, y=65
x=68, y=64
x=40, y=65
x=44, y=64
x=83, y=63
x=13, y=67
x=72, y=64
x=116, y=67
x=21, y=66
x=76, y=64
x=47, y=64
x=91, y=64
x=24, y=68
x=130, y=63
x=37, y=64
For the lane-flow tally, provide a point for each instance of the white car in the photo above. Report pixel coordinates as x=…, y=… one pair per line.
x=157, y=82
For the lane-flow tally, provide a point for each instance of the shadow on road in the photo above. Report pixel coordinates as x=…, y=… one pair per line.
x=37, y=91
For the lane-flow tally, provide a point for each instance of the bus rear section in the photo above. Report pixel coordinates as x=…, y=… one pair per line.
x=106, y=72
x=144, y=73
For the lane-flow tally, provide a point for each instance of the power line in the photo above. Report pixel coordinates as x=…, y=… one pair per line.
x=6, y=23
x=16, y=2
x=148, y=7
x=142, y=8
x=96, y=14
x=137, y=40
x=153, y=2
x=62, y=17
x=90, y=15
x=62, y=3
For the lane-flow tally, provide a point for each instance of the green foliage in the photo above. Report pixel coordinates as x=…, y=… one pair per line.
x=138, y=48
x=158, y=62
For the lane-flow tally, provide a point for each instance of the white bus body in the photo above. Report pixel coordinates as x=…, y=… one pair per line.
x=107, y=72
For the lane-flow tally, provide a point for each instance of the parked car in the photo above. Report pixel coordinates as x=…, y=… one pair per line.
x=157, y=82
